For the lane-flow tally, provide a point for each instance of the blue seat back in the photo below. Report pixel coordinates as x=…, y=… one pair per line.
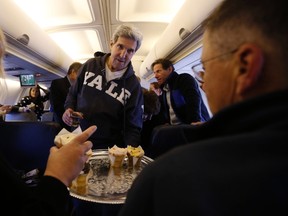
x=26, y=145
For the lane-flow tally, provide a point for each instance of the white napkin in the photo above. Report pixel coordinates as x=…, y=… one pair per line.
x=64, y=136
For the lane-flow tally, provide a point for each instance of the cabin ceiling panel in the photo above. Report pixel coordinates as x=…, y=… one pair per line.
x=147, y=11
x=51, y=13
x=64, y=31
x=189, y=17
x=149, y=16
x=78, y=44
x=71, y=24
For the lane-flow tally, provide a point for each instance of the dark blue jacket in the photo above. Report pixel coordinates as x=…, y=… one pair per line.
x=186, y=99
x=115, y=107
x=58, y=92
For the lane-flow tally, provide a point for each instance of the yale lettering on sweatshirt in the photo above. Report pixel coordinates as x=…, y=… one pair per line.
x=96, y=83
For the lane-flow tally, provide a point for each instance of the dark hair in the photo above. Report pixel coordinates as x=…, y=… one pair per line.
x=74, y=66
x=155, y=84
x=164, y=62
x=37, y=89
x=151, y=103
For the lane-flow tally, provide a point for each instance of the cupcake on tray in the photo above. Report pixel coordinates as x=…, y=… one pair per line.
x=117, y=156
x=135, y=155
x=79, y=185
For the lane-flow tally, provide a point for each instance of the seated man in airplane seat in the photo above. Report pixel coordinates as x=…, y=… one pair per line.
x=181, y=100
x=181, y=104
x=238, y=165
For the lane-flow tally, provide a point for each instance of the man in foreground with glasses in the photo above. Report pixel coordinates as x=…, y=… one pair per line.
x=198, y=69
x=240, y=166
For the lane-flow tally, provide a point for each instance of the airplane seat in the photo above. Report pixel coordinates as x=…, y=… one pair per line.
x=47, y=116
x=26, y=145
x=19, y=116
x=167, y=137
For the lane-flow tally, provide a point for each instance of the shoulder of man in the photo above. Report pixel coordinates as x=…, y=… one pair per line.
x=59, y=80
x=185, y=77
x=98, y=59
x=176, y=77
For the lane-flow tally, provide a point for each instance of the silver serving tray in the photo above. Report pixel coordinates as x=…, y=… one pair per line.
x=105, y=184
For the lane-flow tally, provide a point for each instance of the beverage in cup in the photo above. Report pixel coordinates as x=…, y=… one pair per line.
x=2, y=116
x=76, y=118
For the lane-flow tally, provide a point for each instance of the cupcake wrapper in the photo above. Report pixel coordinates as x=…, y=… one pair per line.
x=116, y=161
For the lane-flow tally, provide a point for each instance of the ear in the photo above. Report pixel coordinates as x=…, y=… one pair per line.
x=111, y=44
x=251, y=59
x=170, y=69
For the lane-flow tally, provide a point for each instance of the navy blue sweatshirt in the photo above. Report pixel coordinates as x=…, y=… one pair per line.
x=115, y=107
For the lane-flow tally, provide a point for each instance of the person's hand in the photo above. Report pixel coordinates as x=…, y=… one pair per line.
x=24, y=109
x=44, y=90
x=66, y=117
x=197, y=123
x=6, y=108
x=31, y=107
x=66, y=163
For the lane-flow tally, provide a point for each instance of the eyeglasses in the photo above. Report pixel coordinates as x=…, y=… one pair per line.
x=198, y=69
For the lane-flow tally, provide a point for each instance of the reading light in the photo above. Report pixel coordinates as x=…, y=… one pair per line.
x=183, y=33
x=24, y=39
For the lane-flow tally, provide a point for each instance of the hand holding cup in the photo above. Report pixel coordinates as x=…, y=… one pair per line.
x=76, y=118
